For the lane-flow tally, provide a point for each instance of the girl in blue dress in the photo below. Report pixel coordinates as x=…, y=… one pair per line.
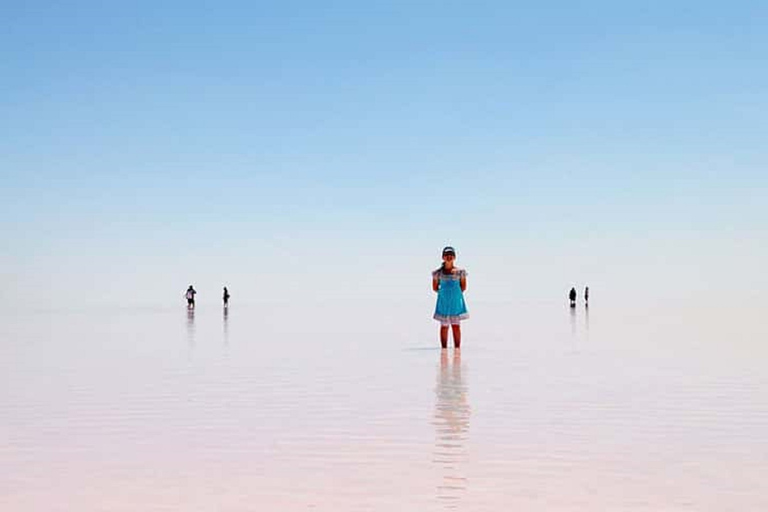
x=450, y=282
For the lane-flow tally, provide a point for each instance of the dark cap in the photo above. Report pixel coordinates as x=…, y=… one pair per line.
x=449, y=250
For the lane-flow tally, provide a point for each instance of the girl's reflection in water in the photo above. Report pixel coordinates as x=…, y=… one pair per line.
x=451, y=422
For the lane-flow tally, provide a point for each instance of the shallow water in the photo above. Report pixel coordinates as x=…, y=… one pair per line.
x=545, y=408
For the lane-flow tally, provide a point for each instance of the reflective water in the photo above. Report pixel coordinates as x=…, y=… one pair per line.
x=546, y=408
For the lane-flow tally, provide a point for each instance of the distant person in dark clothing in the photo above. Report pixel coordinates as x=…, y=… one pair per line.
x=226, y=297
x=572, y=296
x=586, y=296
x=190, y=295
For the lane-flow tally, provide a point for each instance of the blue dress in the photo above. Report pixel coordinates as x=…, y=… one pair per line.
x=450, y=308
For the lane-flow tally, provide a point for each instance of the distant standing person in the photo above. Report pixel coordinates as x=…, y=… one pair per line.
x=572, y=296
x=450, y=283
x=226, y=297
x=586, y=296
x=190, y=295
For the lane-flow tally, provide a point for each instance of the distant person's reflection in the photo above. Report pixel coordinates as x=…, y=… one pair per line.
x=226, y=325
x=573, y=321
x=191, y=327
x=451, y=422
x=586, y=320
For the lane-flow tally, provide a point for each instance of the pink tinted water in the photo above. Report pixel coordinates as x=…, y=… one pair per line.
x=612, y=408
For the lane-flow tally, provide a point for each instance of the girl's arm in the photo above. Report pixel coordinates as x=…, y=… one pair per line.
x=463, y=283
x=435, y=284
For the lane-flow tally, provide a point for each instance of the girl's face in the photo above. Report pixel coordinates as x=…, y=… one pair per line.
x=449, y=259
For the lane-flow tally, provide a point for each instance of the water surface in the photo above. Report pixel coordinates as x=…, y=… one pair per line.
x=545, y=408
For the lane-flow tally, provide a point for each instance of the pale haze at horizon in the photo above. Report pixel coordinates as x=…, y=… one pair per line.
x=325, y=154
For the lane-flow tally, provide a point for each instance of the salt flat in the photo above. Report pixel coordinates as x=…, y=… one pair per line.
x=617, y=407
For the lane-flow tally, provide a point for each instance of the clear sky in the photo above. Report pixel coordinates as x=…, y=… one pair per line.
x=332, y=148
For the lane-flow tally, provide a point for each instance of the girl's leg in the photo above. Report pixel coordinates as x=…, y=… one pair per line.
x=456, y=335
x=444, y=336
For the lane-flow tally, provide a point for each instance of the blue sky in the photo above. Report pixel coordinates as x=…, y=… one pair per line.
x=146, y=145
